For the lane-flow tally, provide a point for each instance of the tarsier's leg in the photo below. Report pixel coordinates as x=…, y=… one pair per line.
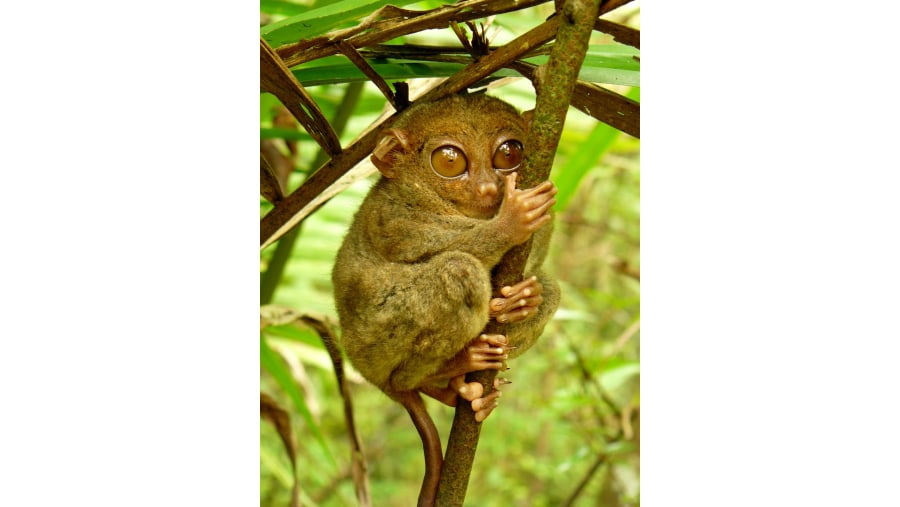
x=486, y=352
x=446, y=307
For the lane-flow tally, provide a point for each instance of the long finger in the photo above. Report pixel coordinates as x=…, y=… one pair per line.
x=516, y=316
x=494, y=340
x=540, y=188
x=511, y=185
x=511, y=290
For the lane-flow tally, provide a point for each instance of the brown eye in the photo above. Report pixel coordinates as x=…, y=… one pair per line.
x=508, y=155
x=448, y=161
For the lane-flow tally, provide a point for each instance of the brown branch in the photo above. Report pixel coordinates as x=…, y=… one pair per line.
x=620, y=33
x=613, y=109
x=281, y=218
x=554, y=85
x=274, y=77
x=353, y=55
x=436, y=53
x=268, y=182
x=610, y=5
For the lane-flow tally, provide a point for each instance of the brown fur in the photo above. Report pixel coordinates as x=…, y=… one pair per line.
x=412, y=278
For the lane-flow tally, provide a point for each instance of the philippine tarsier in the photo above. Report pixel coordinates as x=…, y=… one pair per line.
x=412, y=280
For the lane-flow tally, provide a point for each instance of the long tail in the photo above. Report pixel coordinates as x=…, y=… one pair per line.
x=431, y=444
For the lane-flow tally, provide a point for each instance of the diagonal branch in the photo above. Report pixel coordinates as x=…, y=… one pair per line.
x=274, y=77
x=353, y=55
x=609, y=107
x=268, y=183
x=620, y=33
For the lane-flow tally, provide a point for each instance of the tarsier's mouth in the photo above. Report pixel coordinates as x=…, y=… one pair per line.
x=483, y=208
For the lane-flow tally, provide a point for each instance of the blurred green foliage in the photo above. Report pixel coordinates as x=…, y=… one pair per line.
x=572, y=411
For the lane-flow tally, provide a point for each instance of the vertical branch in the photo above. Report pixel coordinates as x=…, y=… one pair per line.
x=554, y=84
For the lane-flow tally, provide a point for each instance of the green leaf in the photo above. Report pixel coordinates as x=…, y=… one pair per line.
x=282, y=7
x=281, y=471
x=606, y=63
x=569, y=176
x=320, y=20
x=276, y=367
x=620, y=447
x=279, y=133
x=621, y=381
x=294, y=333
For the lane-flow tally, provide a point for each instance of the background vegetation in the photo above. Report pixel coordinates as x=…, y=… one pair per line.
x=568, y=428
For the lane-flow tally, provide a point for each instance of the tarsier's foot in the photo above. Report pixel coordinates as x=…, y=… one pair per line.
x=519, y=302
x=473, y=391
x=486, y=352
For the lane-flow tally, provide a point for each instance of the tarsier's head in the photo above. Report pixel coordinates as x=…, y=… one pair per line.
x=461, y=148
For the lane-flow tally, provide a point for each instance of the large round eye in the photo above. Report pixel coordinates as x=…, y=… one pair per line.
x=508, y=155
x=449, y=161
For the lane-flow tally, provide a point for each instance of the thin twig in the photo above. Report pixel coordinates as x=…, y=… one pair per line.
x=353, y=55
x=601, y=458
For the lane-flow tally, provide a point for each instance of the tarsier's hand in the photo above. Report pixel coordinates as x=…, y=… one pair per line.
x=520, y=302
x=525, y=211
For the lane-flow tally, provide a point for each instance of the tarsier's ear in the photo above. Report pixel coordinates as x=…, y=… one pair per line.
x=528, y=116
x=390, y=144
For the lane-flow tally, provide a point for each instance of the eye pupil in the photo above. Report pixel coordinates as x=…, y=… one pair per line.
x=508, y=155
x=449, y=161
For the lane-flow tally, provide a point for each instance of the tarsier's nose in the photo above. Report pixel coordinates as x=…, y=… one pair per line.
x=487, y=188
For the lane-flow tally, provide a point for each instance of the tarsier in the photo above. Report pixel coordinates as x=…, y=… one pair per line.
x=412, y=280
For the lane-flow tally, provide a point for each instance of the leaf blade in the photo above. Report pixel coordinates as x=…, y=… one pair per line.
x=276, y=367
